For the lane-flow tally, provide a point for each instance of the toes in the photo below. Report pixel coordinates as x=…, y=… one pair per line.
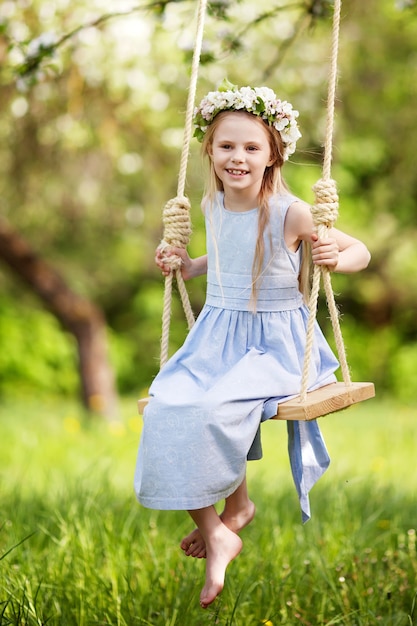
x=208, y=596
x=195, y=549
x=184, y=545
x=194, y=545
x=202, y=554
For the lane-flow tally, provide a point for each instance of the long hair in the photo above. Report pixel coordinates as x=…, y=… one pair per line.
x=272, y=183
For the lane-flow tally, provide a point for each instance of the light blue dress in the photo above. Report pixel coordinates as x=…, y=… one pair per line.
x=203, y=419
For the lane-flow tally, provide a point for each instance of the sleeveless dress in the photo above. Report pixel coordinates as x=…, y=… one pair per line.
x=206, y=404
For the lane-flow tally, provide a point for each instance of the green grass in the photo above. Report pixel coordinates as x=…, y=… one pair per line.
x=76, y=548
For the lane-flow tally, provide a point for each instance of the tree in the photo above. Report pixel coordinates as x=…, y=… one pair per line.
x=89, y=146
x=36, y=63
x=77, y=315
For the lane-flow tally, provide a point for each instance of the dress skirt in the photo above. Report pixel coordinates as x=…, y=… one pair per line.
x=206, y=405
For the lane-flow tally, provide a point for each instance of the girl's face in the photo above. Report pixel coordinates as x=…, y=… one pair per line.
x=240, y=152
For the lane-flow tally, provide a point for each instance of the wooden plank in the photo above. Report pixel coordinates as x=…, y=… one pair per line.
x=328, y=399
x=320, y=402
x=141, y=405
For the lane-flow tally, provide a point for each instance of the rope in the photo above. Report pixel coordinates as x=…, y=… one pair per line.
x=325, y=213
x=176, y=213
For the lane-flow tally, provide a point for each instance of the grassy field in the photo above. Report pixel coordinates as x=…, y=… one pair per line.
x=76, y=548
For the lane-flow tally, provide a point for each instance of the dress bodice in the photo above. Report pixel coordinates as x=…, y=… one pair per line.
x=231, y=241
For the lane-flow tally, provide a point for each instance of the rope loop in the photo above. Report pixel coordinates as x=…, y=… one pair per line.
x=326, y=209
x=177, y=228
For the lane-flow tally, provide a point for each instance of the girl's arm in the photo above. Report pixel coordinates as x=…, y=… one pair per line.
x=339, y=251
x=190, y=268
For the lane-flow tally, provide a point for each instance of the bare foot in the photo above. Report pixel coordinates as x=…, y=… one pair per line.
x=224, y=546
x=193, y=544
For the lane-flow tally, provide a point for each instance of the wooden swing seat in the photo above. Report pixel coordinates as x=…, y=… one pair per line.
x=328, y=399
x=142, y=404
x=325, y=400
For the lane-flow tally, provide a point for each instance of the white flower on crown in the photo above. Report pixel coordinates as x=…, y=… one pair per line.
x=260, y=101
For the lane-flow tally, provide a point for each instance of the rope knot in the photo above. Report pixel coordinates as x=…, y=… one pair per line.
x=326, y=208
x=177, y=227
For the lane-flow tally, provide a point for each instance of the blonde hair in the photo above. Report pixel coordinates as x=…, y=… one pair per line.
x=272, y=183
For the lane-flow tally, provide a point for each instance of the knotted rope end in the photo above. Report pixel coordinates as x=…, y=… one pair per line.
x=177, y=228
x=326, y=208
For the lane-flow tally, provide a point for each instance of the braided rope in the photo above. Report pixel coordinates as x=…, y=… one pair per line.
x=176, y=213
x=325, y=213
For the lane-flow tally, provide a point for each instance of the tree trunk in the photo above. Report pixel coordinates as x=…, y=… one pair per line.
x=81, y=318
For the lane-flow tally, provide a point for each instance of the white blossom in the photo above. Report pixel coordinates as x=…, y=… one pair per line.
x=44, y=41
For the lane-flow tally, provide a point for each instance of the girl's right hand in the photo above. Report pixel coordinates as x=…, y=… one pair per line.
x=162, y=261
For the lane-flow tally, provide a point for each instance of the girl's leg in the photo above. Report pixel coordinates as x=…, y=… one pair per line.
x=222, y=546
x=238, y=512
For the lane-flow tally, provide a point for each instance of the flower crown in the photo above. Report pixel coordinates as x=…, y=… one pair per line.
x=260, y=101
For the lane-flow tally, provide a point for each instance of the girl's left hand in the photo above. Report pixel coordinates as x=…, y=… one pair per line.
x=325, y=251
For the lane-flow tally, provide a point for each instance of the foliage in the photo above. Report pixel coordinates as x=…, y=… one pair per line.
x=76, y=548
x=46, y=364
x=92, y=102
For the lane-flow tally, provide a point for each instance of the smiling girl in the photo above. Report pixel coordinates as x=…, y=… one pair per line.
x=244, y=355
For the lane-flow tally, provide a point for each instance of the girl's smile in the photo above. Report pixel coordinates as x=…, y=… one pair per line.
x=237, y=172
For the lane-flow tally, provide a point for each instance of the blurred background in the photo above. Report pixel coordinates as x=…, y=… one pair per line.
x=92, y=102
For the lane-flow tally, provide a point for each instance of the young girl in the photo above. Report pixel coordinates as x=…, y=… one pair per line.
x=244, y=355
